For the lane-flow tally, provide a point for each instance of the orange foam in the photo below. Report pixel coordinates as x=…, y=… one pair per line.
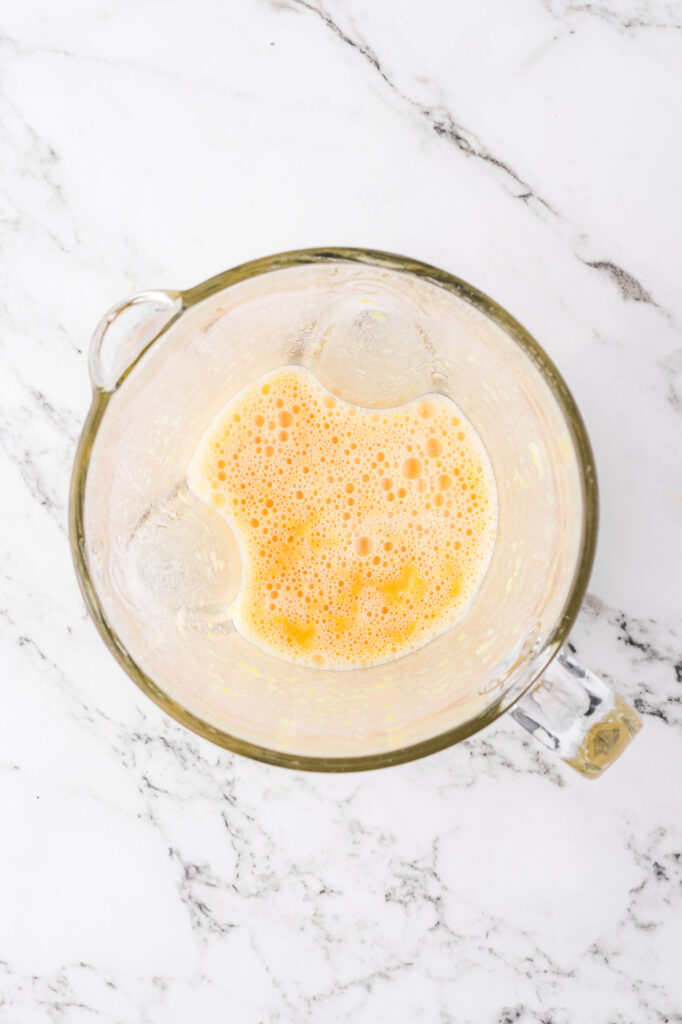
x=364, y=533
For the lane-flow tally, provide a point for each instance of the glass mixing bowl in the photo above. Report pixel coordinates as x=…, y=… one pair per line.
x=159, y=570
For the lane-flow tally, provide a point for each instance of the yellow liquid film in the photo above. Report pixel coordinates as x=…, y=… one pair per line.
x=364, y=533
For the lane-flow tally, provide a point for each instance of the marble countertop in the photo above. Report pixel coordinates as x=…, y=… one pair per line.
x=532, y=149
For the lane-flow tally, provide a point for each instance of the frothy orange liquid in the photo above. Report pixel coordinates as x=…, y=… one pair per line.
x=364, y=533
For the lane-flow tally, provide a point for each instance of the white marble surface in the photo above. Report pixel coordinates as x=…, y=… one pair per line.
x=534, y=149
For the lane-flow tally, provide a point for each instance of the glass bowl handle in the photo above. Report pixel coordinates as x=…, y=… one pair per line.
x=126, y=331
x=575, y=713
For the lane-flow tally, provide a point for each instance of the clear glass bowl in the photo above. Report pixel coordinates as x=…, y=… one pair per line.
x=158, y=570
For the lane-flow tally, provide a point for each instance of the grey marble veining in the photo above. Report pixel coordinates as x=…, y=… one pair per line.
x=530, y=148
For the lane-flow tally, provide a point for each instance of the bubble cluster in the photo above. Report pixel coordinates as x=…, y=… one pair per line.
x=364, y=533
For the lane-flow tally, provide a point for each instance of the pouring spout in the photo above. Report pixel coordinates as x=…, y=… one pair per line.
x=126, y=331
